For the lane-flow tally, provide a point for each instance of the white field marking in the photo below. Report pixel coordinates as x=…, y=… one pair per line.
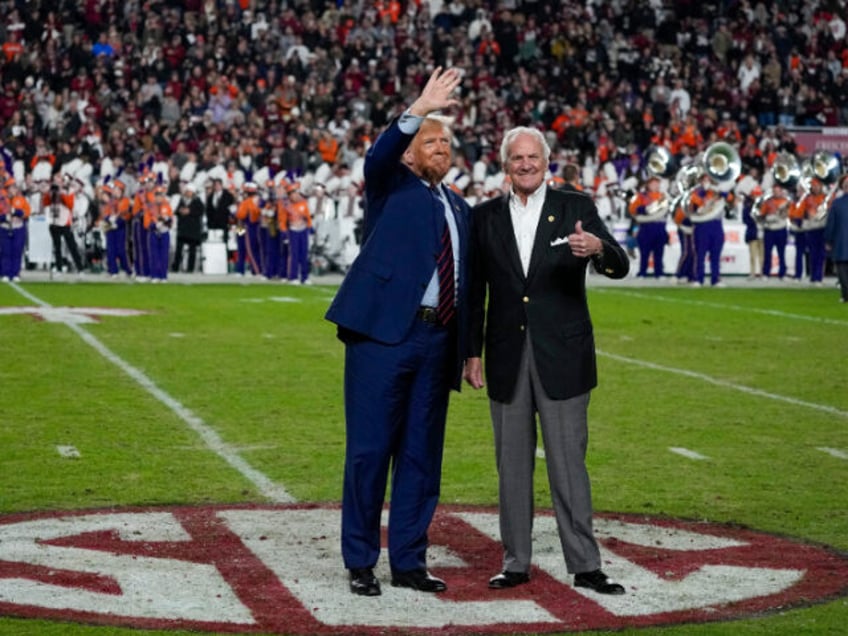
x=69, y=452
x=177, y=334
x=832, y=410
x=687, y=453
x=713, y=305
x=838, y=454
x=540, y=453
x=213, y=441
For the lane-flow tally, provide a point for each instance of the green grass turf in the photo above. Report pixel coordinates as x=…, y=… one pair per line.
x=265, y=373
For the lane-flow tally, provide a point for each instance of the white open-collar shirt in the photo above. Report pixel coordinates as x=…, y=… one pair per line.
x=525, y=220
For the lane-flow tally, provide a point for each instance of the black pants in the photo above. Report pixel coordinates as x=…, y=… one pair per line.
x=842, y=274
x=178, y=254
x=57, y=232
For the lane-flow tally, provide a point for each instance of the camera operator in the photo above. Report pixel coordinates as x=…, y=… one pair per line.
x=58, y=202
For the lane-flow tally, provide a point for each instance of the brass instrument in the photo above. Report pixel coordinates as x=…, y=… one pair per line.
x=825, y=167
x=786, y=172
x=721, y=163
x=660, y=163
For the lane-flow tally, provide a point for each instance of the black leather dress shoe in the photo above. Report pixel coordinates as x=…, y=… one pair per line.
x=363, y=582
x=598, y=581
x=508, y=579
x=418, y=580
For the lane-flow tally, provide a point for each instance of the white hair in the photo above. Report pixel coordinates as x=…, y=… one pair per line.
x=513, y=133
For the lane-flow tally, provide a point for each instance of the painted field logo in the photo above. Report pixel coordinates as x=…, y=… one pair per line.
x=277, y=569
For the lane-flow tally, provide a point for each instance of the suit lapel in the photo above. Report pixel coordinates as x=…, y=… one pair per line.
x=505, y=232
x=549, y=219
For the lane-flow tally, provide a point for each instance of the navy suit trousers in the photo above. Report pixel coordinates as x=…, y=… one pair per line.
x=396, y=399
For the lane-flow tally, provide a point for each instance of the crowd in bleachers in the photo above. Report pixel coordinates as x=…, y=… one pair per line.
x=253, y=91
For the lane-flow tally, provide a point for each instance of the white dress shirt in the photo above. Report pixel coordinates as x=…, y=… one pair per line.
x=525, y=220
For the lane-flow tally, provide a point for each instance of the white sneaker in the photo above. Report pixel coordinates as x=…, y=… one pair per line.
x=306, y=282
x=16, y=279
x=695, y=284
x=719, y=284
x=5, y=279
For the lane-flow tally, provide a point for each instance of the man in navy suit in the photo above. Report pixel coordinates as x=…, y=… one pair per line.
x=530, y=249
x=402, y=313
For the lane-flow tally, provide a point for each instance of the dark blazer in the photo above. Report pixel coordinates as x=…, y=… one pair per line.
x=836, y=230
x=218, y=213
x=550, y=301
x=381, y=293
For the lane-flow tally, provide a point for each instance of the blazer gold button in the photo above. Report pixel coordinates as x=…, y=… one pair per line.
x=526, y=299
x=521, y=327
x=551, y=218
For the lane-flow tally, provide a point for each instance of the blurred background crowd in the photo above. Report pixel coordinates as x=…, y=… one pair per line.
x=253, y=91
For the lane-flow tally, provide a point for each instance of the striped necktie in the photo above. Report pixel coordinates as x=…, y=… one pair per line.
x=446, y=309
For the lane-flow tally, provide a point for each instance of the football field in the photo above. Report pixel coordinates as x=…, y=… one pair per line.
x=189, y=400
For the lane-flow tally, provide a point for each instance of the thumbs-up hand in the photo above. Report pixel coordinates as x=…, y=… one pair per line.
x=584, y=244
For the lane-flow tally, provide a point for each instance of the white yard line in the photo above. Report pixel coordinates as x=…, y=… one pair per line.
x=838, y=454
x=714, y=305
x=725, y=384
x=213, y=441
x=685, y=452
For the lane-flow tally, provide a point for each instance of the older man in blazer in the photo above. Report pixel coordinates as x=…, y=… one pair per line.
x=530, y=249
x=402, y=313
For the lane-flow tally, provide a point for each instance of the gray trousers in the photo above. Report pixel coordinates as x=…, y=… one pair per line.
x=565, y=436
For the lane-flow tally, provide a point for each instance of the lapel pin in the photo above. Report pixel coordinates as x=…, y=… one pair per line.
x=551, y=218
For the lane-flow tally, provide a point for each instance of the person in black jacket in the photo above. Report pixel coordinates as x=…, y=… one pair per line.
x=220, y=208
x=529, y=251
x=189, y=227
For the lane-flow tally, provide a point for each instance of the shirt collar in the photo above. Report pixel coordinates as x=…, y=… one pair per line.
x=537, y=196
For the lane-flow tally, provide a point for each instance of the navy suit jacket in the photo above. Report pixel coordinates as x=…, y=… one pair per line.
x=836, y=230
x=550, y=300
x=381, y=293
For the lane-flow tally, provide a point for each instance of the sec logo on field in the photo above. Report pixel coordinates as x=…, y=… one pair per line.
x=278, y=569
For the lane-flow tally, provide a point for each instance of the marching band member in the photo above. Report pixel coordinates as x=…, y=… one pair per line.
x=140, y=244
x=59, y=203
x=248, y=214
x=158, y=218
x=114, y=217
x=706, y=209
x=749, y=195
x=773, y=212
x=272, y=208
x=810, y=212
x=300, y=227
x=649, y=209
x=14, y=214
x=686, y=271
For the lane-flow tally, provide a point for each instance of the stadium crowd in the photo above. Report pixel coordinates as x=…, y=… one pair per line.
x=115, y=111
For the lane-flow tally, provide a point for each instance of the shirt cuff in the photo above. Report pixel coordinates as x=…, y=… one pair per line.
x=409, y=123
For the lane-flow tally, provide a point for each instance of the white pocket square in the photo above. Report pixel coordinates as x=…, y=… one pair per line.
x=563, y=240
